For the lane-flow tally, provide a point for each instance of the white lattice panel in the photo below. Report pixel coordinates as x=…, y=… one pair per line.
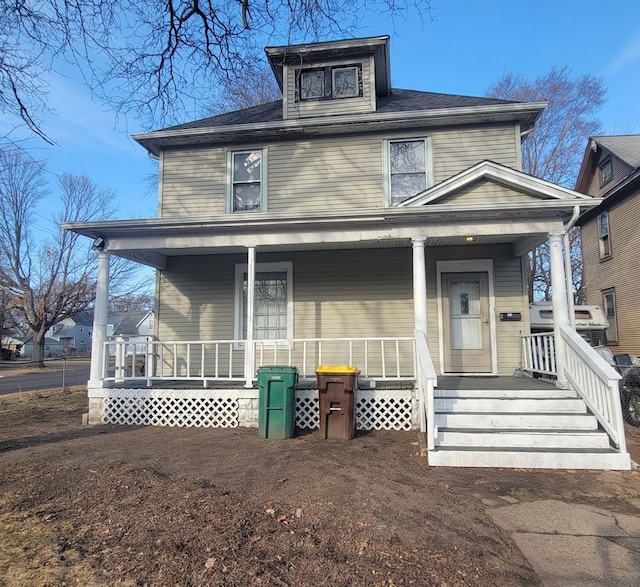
x=388, y=410
x=171, y=411
x=307, y=411
x=385, y=412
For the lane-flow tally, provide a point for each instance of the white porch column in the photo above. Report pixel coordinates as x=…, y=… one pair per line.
x=249, y=363
x=100, y=318
x=419, y=285
x=569, y=279
x=559, y=301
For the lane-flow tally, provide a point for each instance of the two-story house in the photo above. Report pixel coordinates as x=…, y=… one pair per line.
x=352, y=223
x=610, y=235
x=73, y=333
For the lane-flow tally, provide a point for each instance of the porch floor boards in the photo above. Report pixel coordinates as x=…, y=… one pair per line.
x=451, y=382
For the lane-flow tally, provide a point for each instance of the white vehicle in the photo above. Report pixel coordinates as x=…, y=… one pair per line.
x=591, y=323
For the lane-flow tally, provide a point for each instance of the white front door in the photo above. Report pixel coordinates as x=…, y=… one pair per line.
x=467, y=330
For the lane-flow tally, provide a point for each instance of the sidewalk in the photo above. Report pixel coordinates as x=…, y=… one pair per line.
x=571, y=544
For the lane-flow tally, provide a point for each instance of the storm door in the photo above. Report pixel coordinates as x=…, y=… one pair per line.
x=467, y=332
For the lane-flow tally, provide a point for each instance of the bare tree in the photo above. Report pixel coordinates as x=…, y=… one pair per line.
x=156, y=59
x=253, y=86
x=553, y=150
x=47, y=274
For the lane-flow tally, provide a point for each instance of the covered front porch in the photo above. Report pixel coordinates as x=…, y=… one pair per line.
x=383, y=290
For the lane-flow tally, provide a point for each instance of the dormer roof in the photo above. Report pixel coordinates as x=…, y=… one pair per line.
x=309, y=53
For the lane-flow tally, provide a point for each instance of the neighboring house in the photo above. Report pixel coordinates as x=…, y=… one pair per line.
x=611, y=236
x=355, y=224
x=74, y=333
x=132, y=327
x=52, y=348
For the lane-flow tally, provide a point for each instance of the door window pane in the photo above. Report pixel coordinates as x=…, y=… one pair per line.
x=466, y=319
x=270, y=311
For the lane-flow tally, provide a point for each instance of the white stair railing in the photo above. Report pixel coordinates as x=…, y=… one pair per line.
x=427, y=381
x=596, y=382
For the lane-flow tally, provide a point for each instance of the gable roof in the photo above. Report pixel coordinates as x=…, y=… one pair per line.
x=130, y=322
x=625, y=147
x=535, y=187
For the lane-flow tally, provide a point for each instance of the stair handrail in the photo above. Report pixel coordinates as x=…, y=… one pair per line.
x=596, y=382
x=427, y=381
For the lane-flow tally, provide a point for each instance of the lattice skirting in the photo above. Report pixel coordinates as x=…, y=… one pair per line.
x=375, y=410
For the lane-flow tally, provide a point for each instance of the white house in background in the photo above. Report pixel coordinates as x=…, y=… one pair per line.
x=352, y=223
x=73, y=333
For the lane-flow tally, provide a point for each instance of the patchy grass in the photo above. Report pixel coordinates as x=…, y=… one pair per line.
x=54, y=399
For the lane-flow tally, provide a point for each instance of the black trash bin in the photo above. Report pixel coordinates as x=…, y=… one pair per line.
x=337, y=394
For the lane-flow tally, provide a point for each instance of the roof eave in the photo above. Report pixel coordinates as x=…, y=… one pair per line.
x=525, y=113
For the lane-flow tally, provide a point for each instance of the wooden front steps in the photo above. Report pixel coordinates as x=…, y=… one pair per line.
x=528, y=425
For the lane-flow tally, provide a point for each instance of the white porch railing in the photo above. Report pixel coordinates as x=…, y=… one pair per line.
x=595, y=381
x=382, y=358
x=427, y=380
x=539, y=353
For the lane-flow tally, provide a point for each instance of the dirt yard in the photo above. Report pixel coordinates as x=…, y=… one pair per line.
x=115, y=505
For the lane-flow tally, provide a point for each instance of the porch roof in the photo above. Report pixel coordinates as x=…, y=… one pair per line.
x=150, y=241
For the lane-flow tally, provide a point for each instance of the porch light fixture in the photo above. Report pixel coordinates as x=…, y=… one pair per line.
x=470, y=239
x=98, y=244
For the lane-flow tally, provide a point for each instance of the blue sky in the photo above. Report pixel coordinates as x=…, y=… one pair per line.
x=466, y=47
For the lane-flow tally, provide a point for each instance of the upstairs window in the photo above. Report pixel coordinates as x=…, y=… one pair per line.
x=329, y=83
x=246, y=177
x=606, y=172
x=409, y=172
x=604, y=242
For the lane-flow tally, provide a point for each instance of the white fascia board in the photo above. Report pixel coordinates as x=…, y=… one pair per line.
x=504, y=175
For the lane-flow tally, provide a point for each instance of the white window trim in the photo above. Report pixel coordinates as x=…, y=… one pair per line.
x=263, y=180
x=611, y=292
x=468, y=266
x=603, y=239
x=428, y=146
x=241, y=269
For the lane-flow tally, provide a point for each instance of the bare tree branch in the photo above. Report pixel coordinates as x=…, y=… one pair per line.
x=553, y=151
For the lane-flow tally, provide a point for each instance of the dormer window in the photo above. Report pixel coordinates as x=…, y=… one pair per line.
x=606, y=172
x=329, y=83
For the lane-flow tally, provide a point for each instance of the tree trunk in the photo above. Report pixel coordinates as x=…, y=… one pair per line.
x=38, y=349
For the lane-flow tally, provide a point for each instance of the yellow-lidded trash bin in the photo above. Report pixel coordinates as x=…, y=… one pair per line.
x=337, y=386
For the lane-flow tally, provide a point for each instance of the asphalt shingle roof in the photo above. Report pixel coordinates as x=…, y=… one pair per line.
x=626, y=147
x=397, y=101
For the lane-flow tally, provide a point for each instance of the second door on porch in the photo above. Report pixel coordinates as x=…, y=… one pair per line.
x=467, y=332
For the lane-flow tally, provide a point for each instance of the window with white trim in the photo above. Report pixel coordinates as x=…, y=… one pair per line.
x=609, y=306
x=273, y=303
x=246, y=173
x=329, y=83
x=604, y=242
x=409, y=168
x=606, y=172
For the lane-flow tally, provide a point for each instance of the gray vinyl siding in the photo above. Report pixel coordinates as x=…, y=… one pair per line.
x=349, y=293
x=620, y=171
x=312, y=108
x=618, y=271
x=337, y=173
x=486, y=191
x=193, y=182
x=457, y=150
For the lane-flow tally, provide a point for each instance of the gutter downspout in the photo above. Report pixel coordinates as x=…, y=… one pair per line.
x=567, y=265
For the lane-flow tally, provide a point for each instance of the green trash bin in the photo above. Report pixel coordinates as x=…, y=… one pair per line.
x=277, y=401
